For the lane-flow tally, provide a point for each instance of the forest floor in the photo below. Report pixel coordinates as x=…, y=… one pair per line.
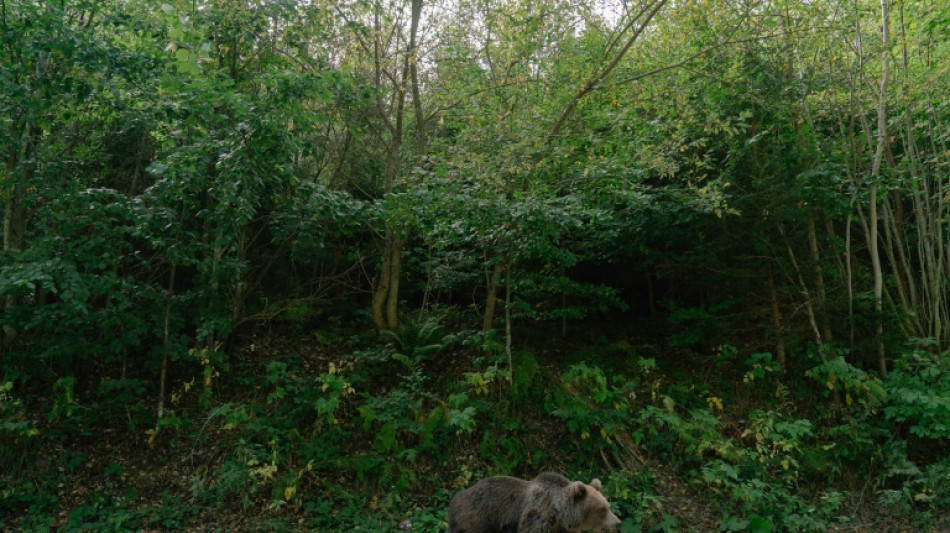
x=124, y=463
x=162, y=478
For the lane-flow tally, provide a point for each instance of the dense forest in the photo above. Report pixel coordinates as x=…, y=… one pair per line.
x=319, y=265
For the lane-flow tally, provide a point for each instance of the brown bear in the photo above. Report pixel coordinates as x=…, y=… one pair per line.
x=550, y=503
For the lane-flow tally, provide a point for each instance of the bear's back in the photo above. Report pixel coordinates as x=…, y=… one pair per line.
x=493, y=505
x=552, y=479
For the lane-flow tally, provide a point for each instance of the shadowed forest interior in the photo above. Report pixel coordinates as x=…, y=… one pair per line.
x=279, y=265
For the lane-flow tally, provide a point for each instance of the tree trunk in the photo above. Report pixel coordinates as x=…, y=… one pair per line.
x=491, y=296
x=14, y=212
x=810, y=311
x=385, y=304
x=819, y=280
x=13, y=220
x=12, y=240
x=386, y=294
x=414, y=79
x=511, y=365
x=875, y=176
x=651, y=296
x=380, y=294
x=395, y=267
x=427, y=292
x=849, y=274
x=777, y=324
x=878, y=283
x=166, y=337
x=239, y=293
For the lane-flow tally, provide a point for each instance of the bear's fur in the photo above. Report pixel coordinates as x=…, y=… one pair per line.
x=550, y=503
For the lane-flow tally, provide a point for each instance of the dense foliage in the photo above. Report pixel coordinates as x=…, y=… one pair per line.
x=318, y=264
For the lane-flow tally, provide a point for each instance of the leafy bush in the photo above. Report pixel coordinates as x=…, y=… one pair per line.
x=105, y=512
x=701, y=324
x=914, y=490
x=417, y=340
x=686, y=440
x=16, y=430
x=633, y=496
x=758, y=472
x=595, y=408
x=122, y=399
x=851, y=444
x=859, y=387
x=919, y=394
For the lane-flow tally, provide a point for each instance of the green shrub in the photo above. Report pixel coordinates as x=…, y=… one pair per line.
x=633, y=496
x=17, y=433
x=595, y=408
x=919, y=394
x=123, y=399
x=858, y=387
x=756, y=473
x=701, y=324
x=921, y=491
x=853, y=443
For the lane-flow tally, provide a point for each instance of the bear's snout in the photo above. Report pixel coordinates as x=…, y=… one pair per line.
x=612, y=524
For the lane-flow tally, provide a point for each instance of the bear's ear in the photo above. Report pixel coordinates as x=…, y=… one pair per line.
x=596, y=484
x=578, y=490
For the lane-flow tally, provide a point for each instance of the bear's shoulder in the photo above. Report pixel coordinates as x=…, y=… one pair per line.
x=552, y=479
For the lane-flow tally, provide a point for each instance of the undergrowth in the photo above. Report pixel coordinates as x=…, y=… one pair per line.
x=379, y=438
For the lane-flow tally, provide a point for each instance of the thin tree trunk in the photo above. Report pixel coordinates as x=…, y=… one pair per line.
x=878, y=283
x=12, y=218
x=428, y=289
x=926, y=198
x=651, y=295
x=819, y=279
x=646, y=14
x=810, y=310
x=414, y=78
x=166, y=337
x=12, y=226
x=392, y=299
x=850, y=275
x=896, y=253
x=941, y=195
x=14, y=213
x=491, y=296
x=875, y=176
x=240, y=286
x=379, y=297
x=385, y=303
x=511, y=366
x=833, y=238
x=563, y=316
x=386, y=295
x=777, y=324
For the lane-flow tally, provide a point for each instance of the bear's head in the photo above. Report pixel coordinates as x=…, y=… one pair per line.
x=593, y=509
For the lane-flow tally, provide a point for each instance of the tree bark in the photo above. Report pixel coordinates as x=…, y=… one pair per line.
x=810, y=310
x=18, y=175
x=511, y=365
x=414, y=79
x=392, y=299
x=491, y=296
x=819, y=280
x=386, y=294
x=849, y=274
x=166, y=337
x=875, y=177
x=777, y=324
x=385, y=303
